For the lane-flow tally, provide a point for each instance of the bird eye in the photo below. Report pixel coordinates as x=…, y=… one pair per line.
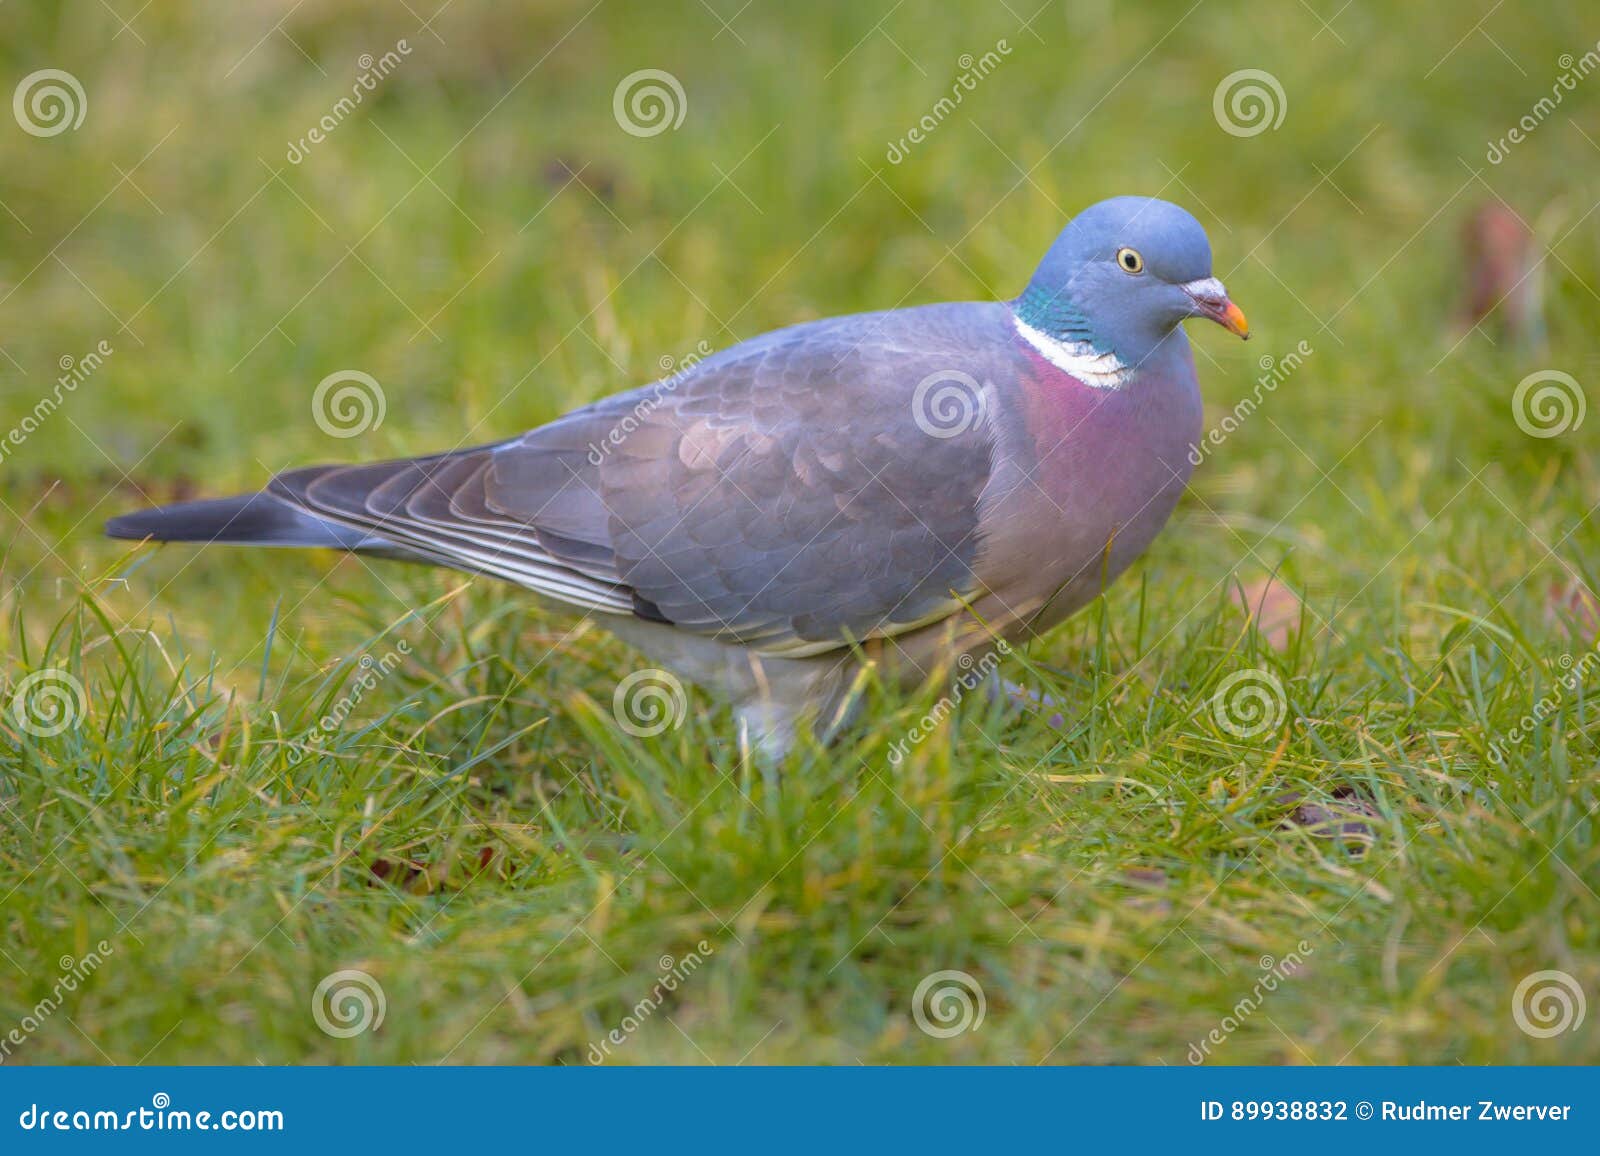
x=1130, y=260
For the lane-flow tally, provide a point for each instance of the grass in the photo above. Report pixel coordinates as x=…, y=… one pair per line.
x=475, y=832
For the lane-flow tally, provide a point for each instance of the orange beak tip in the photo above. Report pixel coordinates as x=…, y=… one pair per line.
x=1233, y=320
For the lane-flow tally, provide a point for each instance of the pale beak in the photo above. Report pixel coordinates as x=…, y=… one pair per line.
x=1211, y=299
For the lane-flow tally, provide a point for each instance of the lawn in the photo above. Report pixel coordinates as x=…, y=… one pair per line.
x=280, y=807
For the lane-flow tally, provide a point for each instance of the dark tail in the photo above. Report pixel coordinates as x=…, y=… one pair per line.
x=246, y=520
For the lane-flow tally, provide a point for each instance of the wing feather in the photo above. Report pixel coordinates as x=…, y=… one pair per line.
x=781, y=494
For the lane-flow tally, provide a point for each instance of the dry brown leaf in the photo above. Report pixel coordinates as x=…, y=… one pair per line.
x=1275, y=608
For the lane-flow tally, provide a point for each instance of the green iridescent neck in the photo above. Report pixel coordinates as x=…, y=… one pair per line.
x=1051, y=312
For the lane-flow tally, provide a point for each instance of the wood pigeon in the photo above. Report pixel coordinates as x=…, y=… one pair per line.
x=901, y=488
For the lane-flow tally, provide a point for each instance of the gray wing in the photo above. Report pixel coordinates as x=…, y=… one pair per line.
x=782, y=494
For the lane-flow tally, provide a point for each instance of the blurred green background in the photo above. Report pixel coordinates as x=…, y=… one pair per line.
x=484, y=238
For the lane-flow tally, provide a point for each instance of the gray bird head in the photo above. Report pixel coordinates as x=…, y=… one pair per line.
x=1123, y=275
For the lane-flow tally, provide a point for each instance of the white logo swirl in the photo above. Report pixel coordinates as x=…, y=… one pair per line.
x=648, y=702
x=348, y=403
x=49, y=102
x=1548, y=404
x=161, y=1100
x=1547, y=1003
x=948, y=403
x=1249, y=102
x=947, y=1003
x=48, y=702
x=1249, y=703
x=347, y=1003
x=649, y=102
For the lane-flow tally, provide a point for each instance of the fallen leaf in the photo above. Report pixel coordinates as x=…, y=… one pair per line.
x=559, y=172
x=1275, y=608
x=1502, y=274
x=1343, y=817
x=1573, y=607
x=1152, y=877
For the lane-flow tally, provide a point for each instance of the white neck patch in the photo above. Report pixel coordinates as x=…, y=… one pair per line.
x=1078, y=358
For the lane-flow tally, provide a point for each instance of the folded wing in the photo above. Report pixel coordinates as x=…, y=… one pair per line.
x=781, y=494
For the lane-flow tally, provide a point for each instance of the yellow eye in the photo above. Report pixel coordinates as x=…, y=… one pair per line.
x=1130, y=260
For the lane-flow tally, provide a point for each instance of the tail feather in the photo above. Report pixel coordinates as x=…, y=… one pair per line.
x=246, y=520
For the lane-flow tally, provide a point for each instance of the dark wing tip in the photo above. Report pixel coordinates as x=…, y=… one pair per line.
x=649, y=611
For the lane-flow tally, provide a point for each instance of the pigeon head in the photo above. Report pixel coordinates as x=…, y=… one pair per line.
x=1122, y=276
